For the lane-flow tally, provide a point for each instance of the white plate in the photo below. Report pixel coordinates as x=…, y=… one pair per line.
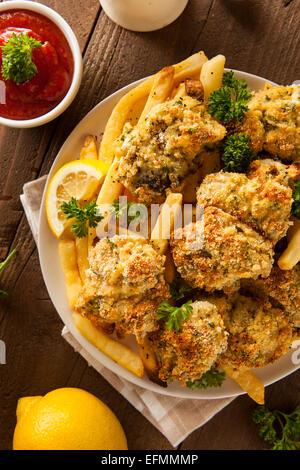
x=94, y=123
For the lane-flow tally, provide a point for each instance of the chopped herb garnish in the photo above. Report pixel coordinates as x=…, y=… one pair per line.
x=174, y=316
x=212, y=378
x=111, y=244
x=228, y=103
x=17, y=64
x=84, y=217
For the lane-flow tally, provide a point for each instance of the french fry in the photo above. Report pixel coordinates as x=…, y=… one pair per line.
x=165, y=222
x=116, y=351
x=82, y=256
x=189, y=67
x=179, y=91
x=291, y=256
x=170, y=269
x=248, y=382
x=67, y=255
x=110, y=190
x=212, y=74
x=89, y=149
x=161, y=89
x=148, y=358
x=190, y=186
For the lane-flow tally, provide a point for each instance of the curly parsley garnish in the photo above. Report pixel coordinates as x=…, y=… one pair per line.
x=212, y=378
x=228, y=103
x=3, y=265
x=174, y=316
x=17, y=64
x=296, y=200
x=237, y=153
x=84, y=217
x=289, y=424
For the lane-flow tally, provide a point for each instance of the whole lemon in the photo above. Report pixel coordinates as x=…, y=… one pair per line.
x=67, y=419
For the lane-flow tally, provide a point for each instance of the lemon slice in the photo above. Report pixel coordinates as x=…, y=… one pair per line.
x=80, y=179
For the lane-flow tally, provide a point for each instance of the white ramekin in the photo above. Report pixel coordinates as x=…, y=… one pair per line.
x=74, y=46
x=143, y=15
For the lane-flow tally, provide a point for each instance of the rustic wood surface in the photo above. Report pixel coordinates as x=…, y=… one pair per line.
x=258, y=36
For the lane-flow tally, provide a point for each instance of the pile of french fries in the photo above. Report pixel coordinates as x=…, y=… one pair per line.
x=169, y=82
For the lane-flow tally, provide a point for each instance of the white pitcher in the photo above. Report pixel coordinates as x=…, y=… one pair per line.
x=143, y=15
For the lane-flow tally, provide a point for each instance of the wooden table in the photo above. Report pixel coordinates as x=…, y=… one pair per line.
x=258, y=36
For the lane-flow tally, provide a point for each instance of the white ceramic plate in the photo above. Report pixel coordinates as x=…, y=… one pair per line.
x=94, y=124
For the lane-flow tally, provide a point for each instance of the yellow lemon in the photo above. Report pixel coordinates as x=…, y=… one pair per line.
x=67, y=419
x=80, y=179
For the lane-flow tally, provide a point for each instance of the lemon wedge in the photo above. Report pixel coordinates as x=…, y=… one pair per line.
x=80, y=179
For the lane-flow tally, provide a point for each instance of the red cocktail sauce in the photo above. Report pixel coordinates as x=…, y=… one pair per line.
x=54, y=63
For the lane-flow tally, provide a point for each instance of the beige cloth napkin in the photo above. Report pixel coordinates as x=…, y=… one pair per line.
x=176, y=418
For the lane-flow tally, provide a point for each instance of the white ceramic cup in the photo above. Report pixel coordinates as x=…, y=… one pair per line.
x=77, y=58
x=143, y=15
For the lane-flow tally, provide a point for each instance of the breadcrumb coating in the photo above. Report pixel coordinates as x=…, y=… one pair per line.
x=124, y=285
x=157, y=156
x=188, y=353
x=218, y=251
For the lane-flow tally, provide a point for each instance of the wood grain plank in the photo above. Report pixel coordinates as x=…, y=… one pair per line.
x=233, y=428
x=260, y=37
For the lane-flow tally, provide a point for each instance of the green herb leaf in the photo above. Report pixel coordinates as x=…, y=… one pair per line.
x=212, y=378
x=229, y=102
x=288, y=437
x=178, y=292
x=2, y=267
x=17, y=64
x=296, y=200
x=84, y=217
x=237, y=153
x=174, y=316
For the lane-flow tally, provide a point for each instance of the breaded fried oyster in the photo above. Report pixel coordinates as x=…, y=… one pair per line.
x=159, y=154
x=263, y=199
x=218, y=251
x=259, y=334
x=273, y=121
x=124, y=285
x=283, y=288
x=188, y=353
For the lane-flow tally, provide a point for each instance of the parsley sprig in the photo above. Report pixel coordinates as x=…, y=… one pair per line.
x=84, y=217
x=296, y=200
x=229, y=103
x=212, y=378
x=174, y=316
x=237, y=153
x=17, y=64
x=288, y=438
x=2, y=267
